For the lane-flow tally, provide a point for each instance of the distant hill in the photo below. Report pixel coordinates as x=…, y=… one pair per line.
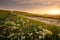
x=37, y=15
x=4, y=13
x=25, y=13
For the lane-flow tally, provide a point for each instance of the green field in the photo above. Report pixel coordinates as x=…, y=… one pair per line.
x=3, y=13
x=13, y=26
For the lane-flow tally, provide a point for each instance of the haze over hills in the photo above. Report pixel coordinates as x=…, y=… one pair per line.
x=38, y=15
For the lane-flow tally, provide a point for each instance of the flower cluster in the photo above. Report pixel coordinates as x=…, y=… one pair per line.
x=18, y=28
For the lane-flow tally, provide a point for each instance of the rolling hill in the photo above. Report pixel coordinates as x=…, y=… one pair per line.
x=12, y=25
x=37, y=15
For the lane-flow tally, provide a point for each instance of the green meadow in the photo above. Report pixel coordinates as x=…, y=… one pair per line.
x=14, y=27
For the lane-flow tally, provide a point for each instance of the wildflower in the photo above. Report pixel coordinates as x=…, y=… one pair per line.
x=37, y=32
x=12, y=34
x=27, y=21
x=59, y=34
x=20, y=30
x=48, y=32
x=7, y=22
x=40, y=37
x=4, y=29
x=22, y=37
x=35, y=29
x=18, y=25
x=19, y=34
x=14, y=27
x=30, y=34
x=13, y=23
x=40, y=32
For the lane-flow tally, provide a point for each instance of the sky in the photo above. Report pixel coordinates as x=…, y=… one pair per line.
x=34, y=6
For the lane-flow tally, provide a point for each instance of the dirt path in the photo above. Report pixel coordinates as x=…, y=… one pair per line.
x=46, y=20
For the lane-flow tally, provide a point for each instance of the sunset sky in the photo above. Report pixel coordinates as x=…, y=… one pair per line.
x=34, y=6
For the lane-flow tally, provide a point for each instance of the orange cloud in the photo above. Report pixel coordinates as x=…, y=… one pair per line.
x=42, y=2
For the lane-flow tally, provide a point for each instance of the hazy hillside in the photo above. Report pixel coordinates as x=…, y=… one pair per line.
x=13, y=27
x=38, y=15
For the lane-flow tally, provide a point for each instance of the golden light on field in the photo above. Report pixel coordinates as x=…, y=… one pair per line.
x=54, y=12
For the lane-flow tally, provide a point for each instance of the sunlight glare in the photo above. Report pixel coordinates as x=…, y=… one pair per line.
x=54, y=12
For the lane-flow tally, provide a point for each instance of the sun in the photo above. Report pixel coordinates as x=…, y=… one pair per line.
x=54, y=12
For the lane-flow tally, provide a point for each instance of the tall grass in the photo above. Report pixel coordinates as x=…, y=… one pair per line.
x=17, y=27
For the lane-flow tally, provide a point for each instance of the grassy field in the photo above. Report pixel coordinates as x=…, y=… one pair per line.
x=3, y=13
x=14, y=26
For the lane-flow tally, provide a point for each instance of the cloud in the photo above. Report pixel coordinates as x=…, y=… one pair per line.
x=28, y=4
x=39, y=2
x=25, y=1
x=35, y=1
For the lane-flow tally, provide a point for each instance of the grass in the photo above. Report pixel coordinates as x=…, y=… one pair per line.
x=46, y=26
x=49, y=27
x=14, y=24
x=3, y=13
